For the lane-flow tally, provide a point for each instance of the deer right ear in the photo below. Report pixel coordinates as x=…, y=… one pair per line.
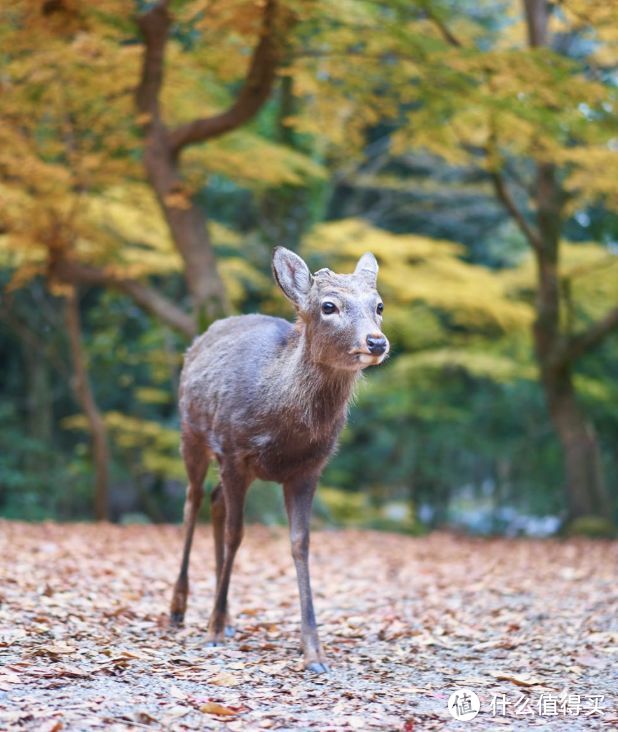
x=292, y=275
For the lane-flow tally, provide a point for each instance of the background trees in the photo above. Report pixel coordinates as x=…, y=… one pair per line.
x=150, y=161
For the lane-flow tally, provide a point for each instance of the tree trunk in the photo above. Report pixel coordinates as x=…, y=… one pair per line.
x=163, y=147
x=537, y=16
x=39, y=407
x=584, y=485
x=188, y=228
x=85, y=397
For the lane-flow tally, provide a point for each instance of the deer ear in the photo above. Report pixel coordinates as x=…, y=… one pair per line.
x=292, y=275
x=367, y=267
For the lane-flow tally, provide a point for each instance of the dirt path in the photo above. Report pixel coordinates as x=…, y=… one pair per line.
x=531, y=627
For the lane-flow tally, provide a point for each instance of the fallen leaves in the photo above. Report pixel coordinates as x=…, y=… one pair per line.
x=517, y=679
x=54, y=650
x=86, y=643
x=7, y=678
x=218, y=709
x=225, y=679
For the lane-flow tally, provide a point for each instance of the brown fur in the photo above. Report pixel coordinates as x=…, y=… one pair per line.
x=268, y=399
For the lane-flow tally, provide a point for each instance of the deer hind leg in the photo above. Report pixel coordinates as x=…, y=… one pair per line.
x=228, y=529
x=196, y=457
x=217, y=514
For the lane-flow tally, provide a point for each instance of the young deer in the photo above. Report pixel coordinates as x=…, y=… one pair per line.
x=268, y=399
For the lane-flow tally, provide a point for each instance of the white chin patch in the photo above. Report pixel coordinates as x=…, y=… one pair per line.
x=368, y=360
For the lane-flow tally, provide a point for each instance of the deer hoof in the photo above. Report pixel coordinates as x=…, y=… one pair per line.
x=177, y=618
x=317, y=667
x=214, y=640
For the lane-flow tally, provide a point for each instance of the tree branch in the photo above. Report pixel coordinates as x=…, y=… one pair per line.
x=255, y=90
x=147, y=298
x=441, y=26
x=154, y=26
x=507, y=201
x=580, y=344
x=154, y=303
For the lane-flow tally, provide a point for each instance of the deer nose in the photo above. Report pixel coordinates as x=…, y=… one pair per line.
x=376, y=344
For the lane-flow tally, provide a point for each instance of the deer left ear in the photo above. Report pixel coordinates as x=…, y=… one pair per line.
x=367, y=267
x=292, y=275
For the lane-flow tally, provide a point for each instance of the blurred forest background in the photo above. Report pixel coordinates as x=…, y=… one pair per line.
x=151, y=155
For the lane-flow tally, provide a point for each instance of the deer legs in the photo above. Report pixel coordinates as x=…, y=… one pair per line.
x=217, y=514
x=298, y=500
x=228, y=508
x=196, y=460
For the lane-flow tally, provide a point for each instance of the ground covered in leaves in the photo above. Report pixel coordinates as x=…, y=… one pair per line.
x=531, y=627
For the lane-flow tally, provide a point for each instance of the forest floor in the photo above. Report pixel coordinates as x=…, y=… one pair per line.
x=530, y=626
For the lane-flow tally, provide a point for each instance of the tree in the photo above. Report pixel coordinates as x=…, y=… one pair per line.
x=557, y=347
x=533, y=118
x=87, y=60
x=133, y=159
x=75, y=210
x=96, y=425
x=163, y=146
x=458, y=408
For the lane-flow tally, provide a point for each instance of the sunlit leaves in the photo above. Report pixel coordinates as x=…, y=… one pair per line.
x=250, y=161
x=420, y=269
x=157, y=444
x=464, y=85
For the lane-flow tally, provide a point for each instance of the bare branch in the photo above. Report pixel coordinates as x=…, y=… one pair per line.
x=255, y=90
x=507, y=201
x=146, y=297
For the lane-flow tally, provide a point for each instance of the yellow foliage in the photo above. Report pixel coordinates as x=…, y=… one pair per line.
x=593, y=174
x=239, y=276
x=151, y=395
x=491, y=91
x=69, y=145
x=589, y=277
x=483, y=365
x=420, y=269
x=251, y=160
x=122, y=229
x=155, y=444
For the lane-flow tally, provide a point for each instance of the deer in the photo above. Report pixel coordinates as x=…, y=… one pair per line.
x=267, y=399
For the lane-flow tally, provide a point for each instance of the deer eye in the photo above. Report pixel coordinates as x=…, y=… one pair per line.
x=380, y=308
x=328, y=308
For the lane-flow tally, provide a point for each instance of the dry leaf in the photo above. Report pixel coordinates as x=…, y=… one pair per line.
x=225, y=679
x=518, y=679
x=218, y=709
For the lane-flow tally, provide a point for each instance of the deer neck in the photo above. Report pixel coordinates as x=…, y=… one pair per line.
x=312, y=393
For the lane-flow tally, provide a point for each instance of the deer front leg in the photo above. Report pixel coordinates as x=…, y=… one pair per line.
x=298, y=501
